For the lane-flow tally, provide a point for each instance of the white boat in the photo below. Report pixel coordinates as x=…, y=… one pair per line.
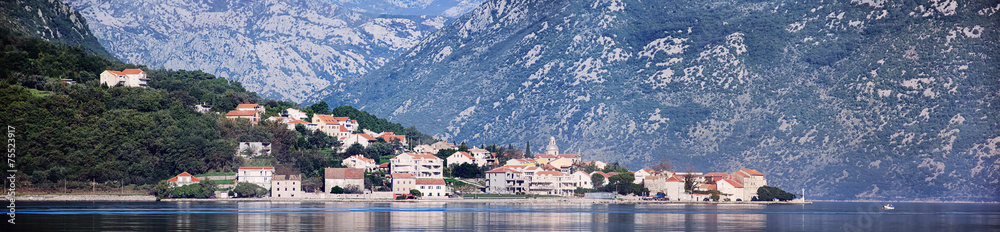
x=888, y=207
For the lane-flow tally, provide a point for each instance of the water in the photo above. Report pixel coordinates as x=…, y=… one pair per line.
x=435, y=216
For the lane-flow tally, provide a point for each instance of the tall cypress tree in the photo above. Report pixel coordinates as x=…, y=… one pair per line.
x=527, y=150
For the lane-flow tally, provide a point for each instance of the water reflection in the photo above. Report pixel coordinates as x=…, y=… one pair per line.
x=410, y=216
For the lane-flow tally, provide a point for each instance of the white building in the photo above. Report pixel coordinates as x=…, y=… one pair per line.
x=296, y=114
x=420, y=165
x=253, y=149
x=582, y=179
x=459, y=158
x=260, y=176
x=335, y=126
x=551, y=183
x=363, y=139
x=732, y=190
x=284, y=186
x=505, y=180
x=432, y=188
x=360, y=162
x=751, y=181
x=642, y=174
x=403, y=182
x=343, y=177
x=183, y=179
x=482, y=156
x=309, y=126
x=127, y=77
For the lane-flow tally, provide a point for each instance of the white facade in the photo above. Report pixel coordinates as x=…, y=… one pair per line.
x=296, y=114
x=504, y=180
x=183, y=179
x=285, y=186
x=359, y=161
x=731, y=189
x=255, y=175
x=582, y=179
x=432, y=188
x=419, y=165
x=551, y=183
x=343, y=177
x=253, y=149
x=127, y=77
x=403, y=182
x=460, y=157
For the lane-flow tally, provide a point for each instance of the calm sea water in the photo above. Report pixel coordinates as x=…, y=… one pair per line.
x=407, y=216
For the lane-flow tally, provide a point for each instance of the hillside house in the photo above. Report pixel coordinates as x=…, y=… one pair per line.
x=127, y=77
x=183, y=179
x=252, y=115
x=335, y=126
x=363, y=139
x=360, y=162
x=505, y=180
x=260, y=176
x=296, y=114
x=343, y=177
x=459, y=158
x=253, y=149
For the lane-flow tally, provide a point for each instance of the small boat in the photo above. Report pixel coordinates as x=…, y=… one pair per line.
x=888, y=207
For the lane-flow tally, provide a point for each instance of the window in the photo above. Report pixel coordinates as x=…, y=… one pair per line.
x=421, y=187
x=439, y=187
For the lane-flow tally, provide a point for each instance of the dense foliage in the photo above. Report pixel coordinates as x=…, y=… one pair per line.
x=372, y=123
x=768, y=193
x=244, y=189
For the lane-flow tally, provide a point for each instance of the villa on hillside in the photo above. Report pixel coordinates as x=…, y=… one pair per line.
x=127, y=77
x=360, y=162
x=183, y=179
x=253, y=149
x=252, y=115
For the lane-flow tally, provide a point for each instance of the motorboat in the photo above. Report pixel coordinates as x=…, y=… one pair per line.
x=888, y=207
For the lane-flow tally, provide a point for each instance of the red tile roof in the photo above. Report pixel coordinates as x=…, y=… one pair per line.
x=502, y=170
x=368, y=137
x=242, y=113
x=734, y=183
x=430, y=181
x=193, y=179
x=462, y=153
x=707, y=186
x=362, y=158
x=132, y=71
x=478, y=150
x=674, y=179
x=752, y=172
x=246, y=106
x=716, y=174
x=325, y=118
x=402, y=176
x=385, y=165
x=296, y=121
x=344, y=173
x=569, y=156
x=550, y=173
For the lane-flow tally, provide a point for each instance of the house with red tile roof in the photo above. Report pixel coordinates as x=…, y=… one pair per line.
x=127, y=77
x=526, y=162
x=402, y=182
x=343, y=177
x=460, y=157
x=252, y=115
x=361, y=162
x=432, y=188
x=750, y=179
x=731, y=190
x=506, y=180
x=183, y=179
x=335, y=126
x=251, y=106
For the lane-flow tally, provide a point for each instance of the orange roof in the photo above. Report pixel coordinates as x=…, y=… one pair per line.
x=366, y=136
x=588, y=175
x=344, y=129
x=674, y=179
x=385, y=165
x=132, y=71
x=296, y=121
x=716, y=174
x=389, y=137
x=734, y=183
x=752, y=172
x=255, y=168
x=362, y=158
x=478, y=150
x=325, y=118
x=242, y=113
x=246, y=106
x=402, y=176
x=193, y=179
x=116, y=73
x=569, y=156
x=430, y=181
x=462, y=153
x=707, y=186
x=550, y=173
x=502, y=170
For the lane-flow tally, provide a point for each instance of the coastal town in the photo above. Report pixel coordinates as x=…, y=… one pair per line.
x=421, y=172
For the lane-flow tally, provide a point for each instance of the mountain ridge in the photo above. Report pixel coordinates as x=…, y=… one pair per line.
x=817, y=96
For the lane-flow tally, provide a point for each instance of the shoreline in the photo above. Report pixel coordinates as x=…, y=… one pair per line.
x=560, y=200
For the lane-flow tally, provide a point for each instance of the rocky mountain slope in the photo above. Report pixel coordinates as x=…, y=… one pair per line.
x=52, y=20
x=863, y=99
x=446, y=8
x=279, y=49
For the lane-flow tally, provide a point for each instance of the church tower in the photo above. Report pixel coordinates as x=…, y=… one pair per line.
x=552, y=149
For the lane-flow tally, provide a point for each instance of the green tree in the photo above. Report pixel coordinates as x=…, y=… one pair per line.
x=320, y=108
x=244, y=189
x=336, y=190
x=354, y=149
x=768, y=193
x=527, y=150
x=163, y=189
x=597, y=180
x=416, y=193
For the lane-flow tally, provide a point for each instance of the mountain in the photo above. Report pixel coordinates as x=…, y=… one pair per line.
x=280, y=49
x=51, y=21
x=863, y=99
x=446, y=8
